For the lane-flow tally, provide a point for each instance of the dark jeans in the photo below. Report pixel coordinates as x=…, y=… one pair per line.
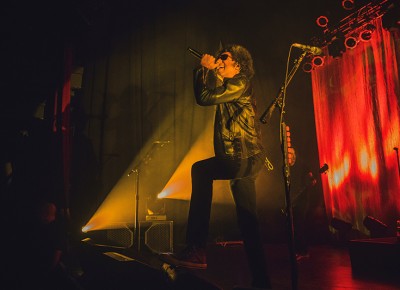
x=242, y=174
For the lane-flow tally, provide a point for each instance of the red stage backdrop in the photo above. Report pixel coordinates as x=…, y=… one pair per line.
x=356, y=103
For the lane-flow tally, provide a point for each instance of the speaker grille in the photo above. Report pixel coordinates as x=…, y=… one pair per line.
x=120, y=237
x=158, y=235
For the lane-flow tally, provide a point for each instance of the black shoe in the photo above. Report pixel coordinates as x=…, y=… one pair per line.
x=191, y=257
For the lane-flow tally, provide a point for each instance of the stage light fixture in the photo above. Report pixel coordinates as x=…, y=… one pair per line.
x=348, y=4
x=307, y=67
x=366, y=33
x=351, y=41
x=377, y=229
x=317, y=61
x=322, y=21
x=341, y=225
x=155, y=206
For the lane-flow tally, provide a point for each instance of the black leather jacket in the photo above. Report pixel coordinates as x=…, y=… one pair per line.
x=235, y=132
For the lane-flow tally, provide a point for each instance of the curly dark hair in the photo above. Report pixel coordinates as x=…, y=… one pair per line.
x=242, y=56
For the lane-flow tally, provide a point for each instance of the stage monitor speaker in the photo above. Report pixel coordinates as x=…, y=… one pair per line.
x=379, y=256
x=377, y=229
x=157, y=236
x=111, y=269
x=121, y=237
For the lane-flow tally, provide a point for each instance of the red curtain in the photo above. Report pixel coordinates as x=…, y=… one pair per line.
x=356, y=103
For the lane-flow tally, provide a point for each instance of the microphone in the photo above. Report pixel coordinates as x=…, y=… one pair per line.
x=268, y=113
x=195, y=53
x=271, y=108
x=313, y=49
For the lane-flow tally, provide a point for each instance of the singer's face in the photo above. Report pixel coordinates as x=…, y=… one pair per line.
x=226, y=66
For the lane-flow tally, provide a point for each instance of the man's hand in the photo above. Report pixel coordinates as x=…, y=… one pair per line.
x=209, y=61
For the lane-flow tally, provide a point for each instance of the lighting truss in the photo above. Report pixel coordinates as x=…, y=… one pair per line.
x=354, y=22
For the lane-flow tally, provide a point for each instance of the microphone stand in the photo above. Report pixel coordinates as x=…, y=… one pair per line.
x=279, y=98
x=136, y=170
x=136, y=235
x=280, y=101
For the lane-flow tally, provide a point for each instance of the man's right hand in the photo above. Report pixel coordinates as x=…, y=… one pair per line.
x=209, y=62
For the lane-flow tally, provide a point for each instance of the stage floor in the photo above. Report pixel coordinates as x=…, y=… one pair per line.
x=327, y=268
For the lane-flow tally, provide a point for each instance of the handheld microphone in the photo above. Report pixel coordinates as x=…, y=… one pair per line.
x=312, y=49
x=268, y=113
x=195, y=53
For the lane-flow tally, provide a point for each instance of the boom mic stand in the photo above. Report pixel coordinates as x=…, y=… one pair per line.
x=280, y=102
x=279, y=98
